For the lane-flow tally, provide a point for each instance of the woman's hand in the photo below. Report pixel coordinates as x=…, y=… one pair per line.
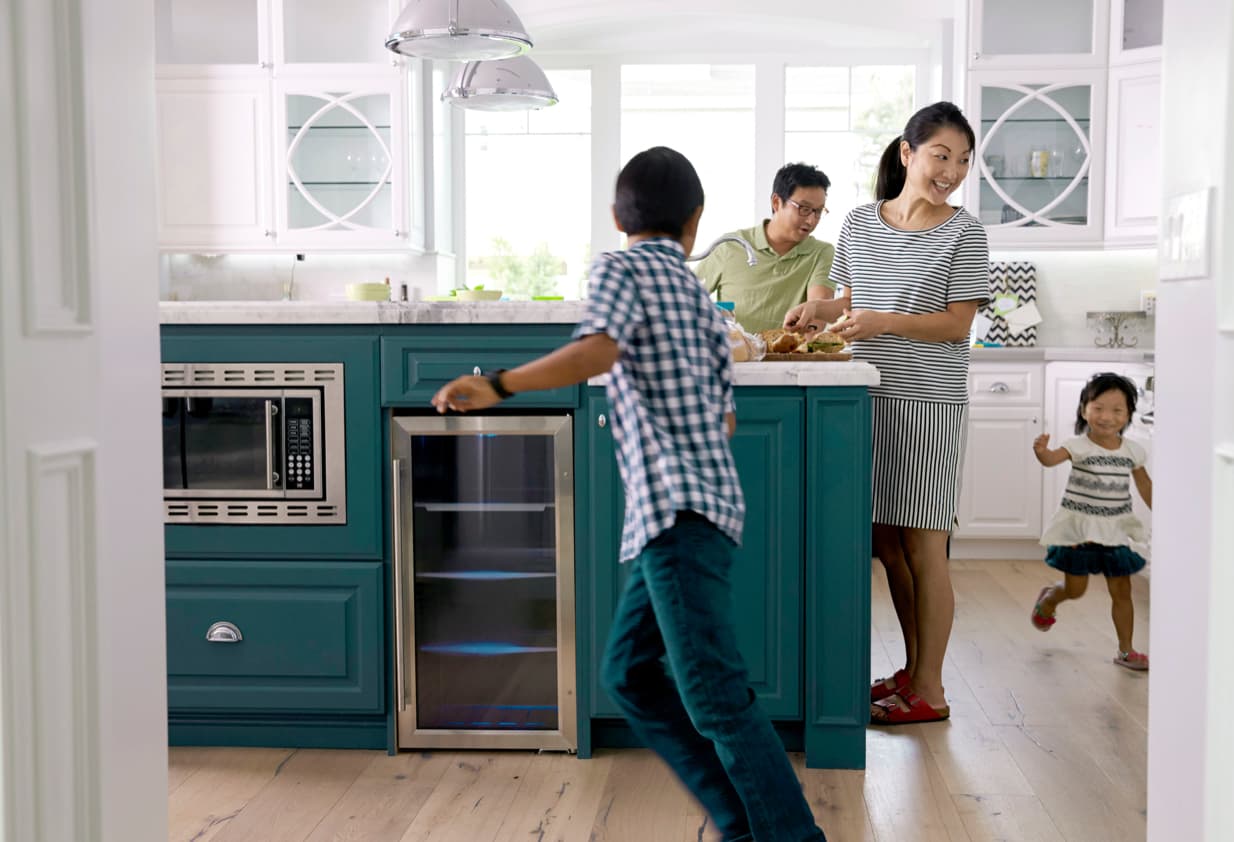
x=862, y=324
x=807, y=318
x=465, y=394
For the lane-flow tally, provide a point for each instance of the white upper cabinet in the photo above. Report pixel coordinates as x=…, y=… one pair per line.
x=1135, y=30
x=1035, y=179
x=1133, y=186
x=282, y=125
x=1042, y=34
x=212, y=32
x=333, y=32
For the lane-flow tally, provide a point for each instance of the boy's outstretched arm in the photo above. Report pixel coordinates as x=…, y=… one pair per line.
x=1143, y=484
x=574, y=363
x=1046, y=456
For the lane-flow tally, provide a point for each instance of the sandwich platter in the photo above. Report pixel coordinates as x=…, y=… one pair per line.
x=786, y=346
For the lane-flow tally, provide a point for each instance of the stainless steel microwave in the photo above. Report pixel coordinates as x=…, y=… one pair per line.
x=254, y=443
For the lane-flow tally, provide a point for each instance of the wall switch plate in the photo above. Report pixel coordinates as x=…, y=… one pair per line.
x=1186, y=242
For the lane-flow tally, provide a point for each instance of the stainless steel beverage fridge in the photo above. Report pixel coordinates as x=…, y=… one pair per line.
x=484, y=581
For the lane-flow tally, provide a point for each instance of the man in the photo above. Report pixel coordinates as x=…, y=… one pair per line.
x=792, y=265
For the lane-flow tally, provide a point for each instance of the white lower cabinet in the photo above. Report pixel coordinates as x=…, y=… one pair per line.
x=1000, y=493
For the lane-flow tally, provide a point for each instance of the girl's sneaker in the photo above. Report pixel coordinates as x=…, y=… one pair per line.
x=1132, y=660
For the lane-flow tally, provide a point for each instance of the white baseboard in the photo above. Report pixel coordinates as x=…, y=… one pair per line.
x=1000, y=549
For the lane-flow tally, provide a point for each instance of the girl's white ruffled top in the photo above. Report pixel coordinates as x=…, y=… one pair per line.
x=1096, y=506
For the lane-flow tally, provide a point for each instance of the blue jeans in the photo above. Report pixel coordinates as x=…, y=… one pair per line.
x=707, y=725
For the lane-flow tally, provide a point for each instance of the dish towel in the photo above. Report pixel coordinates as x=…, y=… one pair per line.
x=1012, y=311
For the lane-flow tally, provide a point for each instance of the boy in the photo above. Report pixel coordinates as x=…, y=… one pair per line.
x=650, y=324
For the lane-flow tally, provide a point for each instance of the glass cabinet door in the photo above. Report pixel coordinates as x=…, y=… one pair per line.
x=1035, y=161
x=335, y=31
x=209, y=31
x=1137, y=30
x=343, y=158
x=1048, y=32
x=487, y=555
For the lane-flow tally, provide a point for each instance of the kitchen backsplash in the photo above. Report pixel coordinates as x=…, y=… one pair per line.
x=1070, y=284
x=319, y=277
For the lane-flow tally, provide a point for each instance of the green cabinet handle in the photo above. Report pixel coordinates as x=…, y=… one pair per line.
x=223, y=632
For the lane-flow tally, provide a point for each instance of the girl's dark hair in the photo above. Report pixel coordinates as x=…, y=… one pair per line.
x=1106, y=381
x=920, y=128
x=657, y=192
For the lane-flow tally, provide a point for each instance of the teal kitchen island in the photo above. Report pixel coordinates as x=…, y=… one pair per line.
x=319, y=661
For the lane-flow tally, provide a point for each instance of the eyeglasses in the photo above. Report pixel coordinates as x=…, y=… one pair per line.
x=805, y=211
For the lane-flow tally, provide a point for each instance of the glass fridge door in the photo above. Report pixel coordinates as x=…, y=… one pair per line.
x=484, y=549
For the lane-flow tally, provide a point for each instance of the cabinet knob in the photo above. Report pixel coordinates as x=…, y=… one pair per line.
x=1000, y=388
x=264, y=65
x=269, y=233
x=601, y=421
x=976, y=56
x=223, y=632
x=476, y=371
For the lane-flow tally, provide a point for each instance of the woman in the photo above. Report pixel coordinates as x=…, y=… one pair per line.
x=916, y=270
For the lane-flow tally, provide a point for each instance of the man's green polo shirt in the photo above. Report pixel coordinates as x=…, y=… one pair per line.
x=764, y=293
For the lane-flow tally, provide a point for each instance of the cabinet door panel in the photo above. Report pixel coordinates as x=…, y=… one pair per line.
x=300, y=637
x=767, y=569
x=213, y=173
x=1000, y=495
x=1133, y=193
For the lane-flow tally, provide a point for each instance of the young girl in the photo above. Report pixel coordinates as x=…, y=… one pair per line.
x=1094, y=526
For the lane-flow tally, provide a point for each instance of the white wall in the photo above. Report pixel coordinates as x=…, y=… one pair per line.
x=1191, y=629
x=1072, y=283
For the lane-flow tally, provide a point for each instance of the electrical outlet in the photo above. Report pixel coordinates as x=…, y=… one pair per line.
x=1148, y=301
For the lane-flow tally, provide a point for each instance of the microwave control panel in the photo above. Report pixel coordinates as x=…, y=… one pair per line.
x=299, y=444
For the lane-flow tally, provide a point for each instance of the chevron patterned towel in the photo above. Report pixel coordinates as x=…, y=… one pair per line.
x=1020, y=279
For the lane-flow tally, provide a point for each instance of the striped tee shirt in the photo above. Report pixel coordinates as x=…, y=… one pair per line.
x=913, y=272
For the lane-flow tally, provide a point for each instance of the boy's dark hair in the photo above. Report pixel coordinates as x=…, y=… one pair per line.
x=1106, y=381
x=920, y=128
x=792, y=176
x=657, y=192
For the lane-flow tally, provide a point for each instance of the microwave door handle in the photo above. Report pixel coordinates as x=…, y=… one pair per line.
x=273, y=479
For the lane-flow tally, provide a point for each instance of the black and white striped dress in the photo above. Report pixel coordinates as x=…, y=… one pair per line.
x=921, y=405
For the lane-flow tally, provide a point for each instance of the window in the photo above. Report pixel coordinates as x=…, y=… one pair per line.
x=528, y=194
x=840, y=119
x=705, y=112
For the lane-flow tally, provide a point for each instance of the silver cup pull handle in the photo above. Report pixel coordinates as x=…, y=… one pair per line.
x=223, y=632
x=1000, y=388
x=601, y=422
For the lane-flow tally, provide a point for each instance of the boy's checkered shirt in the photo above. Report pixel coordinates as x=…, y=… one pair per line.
x=668, y=391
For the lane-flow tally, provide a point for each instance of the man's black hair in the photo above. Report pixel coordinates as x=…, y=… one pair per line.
x=657, y=192
x=792, y=176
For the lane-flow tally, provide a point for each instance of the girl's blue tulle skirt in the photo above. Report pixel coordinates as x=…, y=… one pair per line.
x=1094, y=560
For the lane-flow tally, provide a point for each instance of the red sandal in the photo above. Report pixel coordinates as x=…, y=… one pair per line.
x=1042, y=622
x=889, y=712
x=879, y=689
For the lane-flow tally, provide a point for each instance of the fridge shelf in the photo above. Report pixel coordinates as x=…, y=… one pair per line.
x=485, y=649
x=485, y=507
x=484, y=575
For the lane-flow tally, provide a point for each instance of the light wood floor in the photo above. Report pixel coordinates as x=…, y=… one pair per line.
x=1047, y=741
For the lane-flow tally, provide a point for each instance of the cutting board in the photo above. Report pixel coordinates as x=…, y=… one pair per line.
x=820, y=357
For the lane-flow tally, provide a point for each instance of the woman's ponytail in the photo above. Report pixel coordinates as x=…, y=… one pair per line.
x=891, y=172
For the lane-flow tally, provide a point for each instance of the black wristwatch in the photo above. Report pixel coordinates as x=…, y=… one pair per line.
x=494, y=380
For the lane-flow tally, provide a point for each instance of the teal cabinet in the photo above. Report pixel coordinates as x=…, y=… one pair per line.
x=274, y=636
x=767, y=569
x=415, y=365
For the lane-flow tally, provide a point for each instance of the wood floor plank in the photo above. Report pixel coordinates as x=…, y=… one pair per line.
x=973, y=760
x=183, y=763
x=1081, y=800
x=904, y=791
x=226, y=781
x=1007, y=818
x=471, y=799
x=642, y=800
x=837, y=799
x=383, y=801
x=558, y=799
x=303, y=790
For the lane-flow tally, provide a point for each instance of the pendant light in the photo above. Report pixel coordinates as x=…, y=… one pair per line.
x=459, y=30
x=513, y=84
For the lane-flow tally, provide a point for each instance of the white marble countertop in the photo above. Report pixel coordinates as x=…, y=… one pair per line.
x=795, y=374
x=368, y=312
x=1051, y=353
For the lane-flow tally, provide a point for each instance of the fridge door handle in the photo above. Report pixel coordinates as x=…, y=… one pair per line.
x=396, y=518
